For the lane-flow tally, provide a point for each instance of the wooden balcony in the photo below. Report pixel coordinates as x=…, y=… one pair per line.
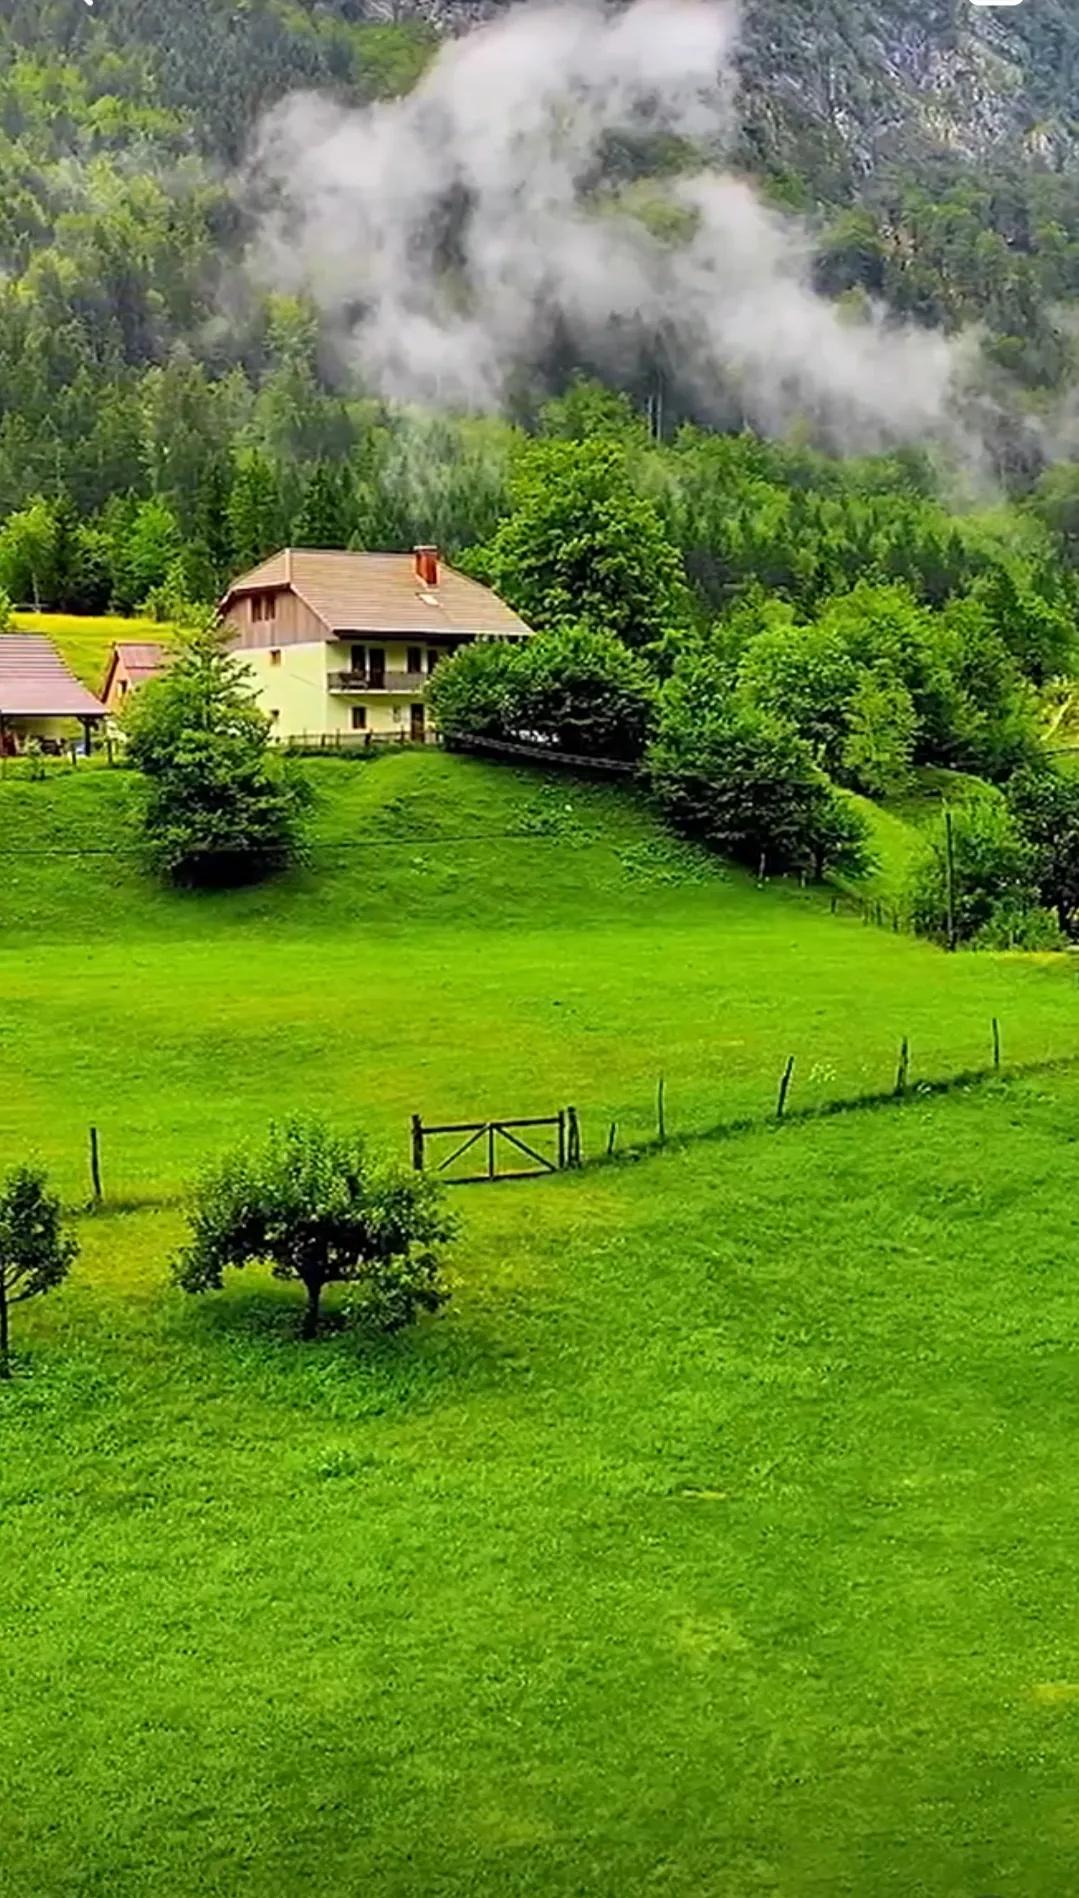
x=407, y=682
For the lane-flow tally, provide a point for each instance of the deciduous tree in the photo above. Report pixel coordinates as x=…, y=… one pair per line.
x=324, y=1209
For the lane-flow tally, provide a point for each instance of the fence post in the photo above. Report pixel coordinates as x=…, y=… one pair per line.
x=996, y=1045
x=561, y=1141
x=95, y=1167
x=661, y=1111
x=949, y=859
x=574, y=1128
x=417, y=1143
x=784, y=1088
x=491, y=1151
x=611, y=1138
x=904, y=1069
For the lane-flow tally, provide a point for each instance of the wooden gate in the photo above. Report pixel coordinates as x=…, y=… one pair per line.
x=489, y=1141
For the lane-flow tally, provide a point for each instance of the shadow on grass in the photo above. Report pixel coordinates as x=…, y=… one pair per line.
x=348, y=1369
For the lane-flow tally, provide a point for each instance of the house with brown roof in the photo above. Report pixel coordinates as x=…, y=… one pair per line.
x=131, y=664
x=341, y=645
x=39, y=697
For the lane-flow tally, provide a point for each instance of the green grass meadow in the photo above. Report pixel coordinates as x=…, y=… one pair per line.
x=718, y=1539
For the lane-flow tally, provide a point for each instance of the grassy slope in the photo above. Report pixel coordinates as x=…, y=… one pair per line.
x=718, y=1539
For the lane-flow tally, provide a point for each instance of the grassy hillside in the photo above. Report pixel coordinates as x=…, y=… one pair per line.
x=719, y=1536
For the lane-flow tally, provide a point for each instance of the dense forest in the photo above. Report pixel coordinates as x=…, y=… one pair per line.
x=163, y=420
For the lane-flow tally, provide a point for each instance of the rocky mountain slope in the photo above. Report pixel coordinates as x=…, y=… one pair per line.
x=862, y=80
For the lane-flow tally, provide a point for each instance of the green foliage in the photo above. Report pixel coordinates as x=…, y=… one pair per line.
x=994, y=892
x=808, y=676
x=1045, y=806
x=328, y=515
x=881, y=732
x=746, y=782
x=35, y=1252
x=221, y=810
x=28, y=554
x=475, y=694
x=583, y=547
x=878, y=681
x=584, y=693
x=576, y=689
x=323, y=1209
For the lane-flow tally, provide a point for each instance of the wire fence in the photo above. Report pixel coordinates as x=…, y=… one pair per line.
x=590, y=1139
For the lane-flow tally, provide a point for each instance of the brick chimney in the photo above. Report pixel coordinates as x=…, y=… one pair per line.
x=427, y=566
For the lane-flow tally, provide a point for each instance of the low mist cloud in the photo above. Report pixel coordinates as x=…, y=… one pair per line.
x=452, y=238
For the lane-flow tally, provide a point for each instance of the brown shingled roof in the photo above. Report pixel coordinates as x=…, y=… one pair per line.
x=382, y=593
x=141, y=658
x=35, y=683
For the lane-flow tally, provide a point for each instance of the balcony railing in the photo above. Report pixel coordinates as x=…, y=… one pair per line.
x=413, y=682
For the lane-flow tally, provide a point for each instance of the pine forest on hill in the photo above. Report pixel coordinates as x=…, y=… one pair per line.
x=171, y=418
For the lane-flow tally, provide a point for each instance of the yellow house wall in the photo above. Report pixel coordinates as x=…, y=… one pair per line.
x=297, y=690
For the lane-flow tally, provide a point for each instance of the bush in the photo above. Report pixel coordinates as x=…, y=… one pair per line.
x=745, y=781
x=221, y=811
x=35, y=1252
x=577, y=690
x=994, y=885
x=321, y=1208
x=477, y=693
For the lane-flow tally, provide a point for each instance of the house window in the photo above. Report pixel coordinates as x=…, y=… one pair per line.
x=269, y=606
x=433, y=657
x=256, y=606
x=275, y=656
x=359, y=659
x=263, y=606
x=122, y=688
x=359, y=718
x=415, y=660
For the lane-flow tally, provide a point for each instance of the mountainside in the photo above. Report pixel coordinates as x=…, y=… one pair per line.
x=929, y=157
x=880, y=78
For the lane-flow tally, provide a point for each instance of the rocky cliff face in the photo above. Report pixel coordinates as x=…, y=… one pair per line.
x=883, y=77
x=865, y=80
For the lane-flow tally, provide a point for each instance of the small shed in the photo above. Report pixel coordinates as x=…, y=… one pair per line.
x=131, y=664
x=39, y=697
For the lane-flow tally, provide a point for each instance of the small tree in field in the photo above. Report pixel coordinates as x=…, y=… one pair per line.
x=35, y=1252
x=221, y=810
x=321, y=1208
